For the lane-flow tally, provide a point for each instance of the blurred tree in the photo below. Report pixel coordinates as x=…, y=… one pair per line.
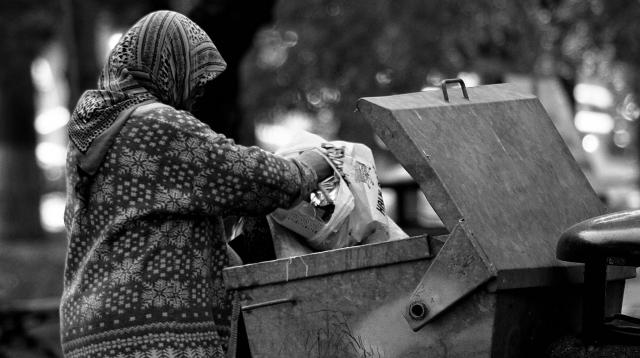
x=82, y=21
x=322, y=55
x=614, y=31
x=26, y=26
x=124, y=13
x=232, y=28
x=600, y=40
x=79, y=34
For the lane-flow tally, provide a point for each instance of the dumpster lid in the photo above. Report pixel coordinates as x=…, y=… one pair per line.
x=499, y=176
x=494, y=161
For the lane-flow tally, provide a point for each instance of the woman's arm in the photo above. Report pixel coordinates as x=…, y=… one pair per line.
x=206, y=173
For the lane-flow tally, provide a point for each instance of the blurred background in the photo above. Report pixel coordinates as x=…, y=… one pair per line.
x=301, y=65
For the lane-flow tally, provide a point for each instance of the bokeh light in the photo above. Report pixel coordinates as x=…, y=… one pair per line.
x=113, y=41
x=590, y=143
x=52, y=211
x=594, y=122
x=52, y=120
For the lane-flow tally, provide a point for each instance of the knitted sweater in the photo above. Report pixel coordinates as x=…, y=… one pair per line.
x=146, y=243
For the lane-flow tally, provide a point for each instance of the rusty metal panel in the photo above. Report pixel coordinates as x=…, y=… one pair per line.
x=456, y=271
x=329, y=262
x=357, y=314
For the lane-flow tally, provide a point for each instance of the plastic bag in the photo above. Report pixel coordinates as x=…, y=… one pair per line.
x=311, y=223
x=359, y=214
x=287, y=243
x=368, y=223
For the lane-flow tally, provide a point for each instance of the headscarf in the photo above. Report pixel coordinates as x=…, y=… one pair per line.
x=164, y=57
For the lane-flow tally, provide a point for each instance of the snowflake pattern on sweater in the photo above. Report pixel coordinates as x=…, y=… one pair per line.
x=146, y=246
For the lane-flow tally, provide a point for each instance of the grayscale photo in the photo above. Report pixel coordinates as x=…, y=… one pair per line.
x=319, y=179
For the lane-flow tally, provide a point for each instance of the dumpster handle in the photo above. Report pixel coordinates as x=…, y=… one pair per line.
x=268, y=303
x=444, y=83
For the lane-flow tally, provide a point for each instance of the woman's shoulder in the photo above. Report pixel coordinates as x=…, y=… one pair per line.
x=169, y=119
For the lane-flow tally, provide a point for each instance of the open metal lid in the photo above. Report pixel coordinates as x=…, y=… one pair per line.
x=499, y=176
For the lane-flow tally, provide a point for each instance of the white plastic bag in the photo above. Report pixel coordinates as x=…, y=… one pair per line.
x=358, y=218
x=368, y=223
x=306, y=220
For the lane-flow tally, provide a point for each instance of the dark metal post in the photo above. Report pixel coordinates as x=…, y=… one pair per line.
x=595, y=286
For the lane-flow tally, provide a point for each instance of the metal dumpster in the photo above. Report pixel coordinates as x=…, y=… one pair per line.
x=505, y=186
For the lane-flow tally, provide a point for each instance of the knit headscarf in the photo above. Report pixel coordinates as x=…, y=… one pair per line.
x=163, y=57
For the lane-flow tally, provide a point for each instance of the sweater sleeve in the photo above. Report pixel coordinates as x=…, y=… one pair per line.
x=199, y=171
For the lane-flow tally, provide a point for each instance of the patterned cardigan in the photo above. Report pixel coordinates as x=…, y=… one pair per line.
x=146, y=244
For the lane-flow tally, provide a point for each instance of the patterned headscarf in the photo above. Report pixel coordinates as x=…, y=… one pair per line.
x=164, y=57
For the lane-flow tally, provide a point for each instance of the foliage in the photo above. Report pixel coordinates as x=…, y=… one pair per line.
x=27, y=25
x=321, y=55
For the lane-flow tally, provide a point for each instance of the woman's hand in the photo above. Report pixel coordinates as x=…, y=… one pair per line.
x=317, y=162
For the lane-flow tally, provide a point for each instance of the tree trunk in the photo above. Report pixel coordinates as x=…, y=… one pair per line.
x=231, y=24
x=25, y=25
x=20, y=178
x=80, y=42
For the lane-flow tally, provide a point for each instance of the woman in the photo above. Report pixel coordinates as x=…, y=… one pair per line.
x=148, y=185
